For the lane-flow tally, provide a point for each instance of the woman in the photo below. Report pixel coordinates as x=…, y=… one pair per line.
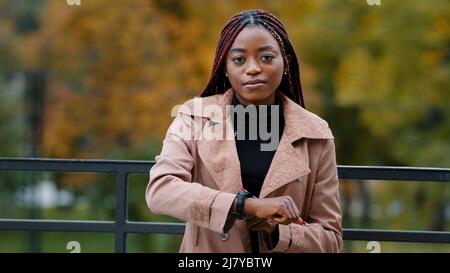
x=250, y=192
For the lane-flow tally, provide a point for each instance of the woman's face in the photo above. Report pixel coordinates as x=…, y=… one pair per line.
x=255, y=66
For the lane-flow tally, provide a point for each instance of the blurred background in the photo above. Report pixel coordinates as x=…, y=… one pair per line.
x=98, y=81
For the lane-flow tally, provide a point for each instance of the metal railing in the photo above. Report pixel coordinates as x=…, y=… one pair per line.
x=121, y=226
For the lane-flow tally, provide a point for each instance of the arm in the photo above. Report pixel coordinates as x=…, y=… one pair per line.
x=172, y=192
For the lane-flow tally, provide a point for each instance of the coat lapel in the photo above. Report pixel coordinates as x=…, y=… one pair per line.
x=289, y=163
x=220, y=156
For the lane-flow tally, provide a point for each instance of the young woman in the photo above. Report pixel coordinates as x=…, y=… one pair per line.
x=253, y=191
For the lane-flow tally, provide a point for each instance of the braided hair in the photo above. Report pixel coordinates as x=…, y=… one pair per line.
x=290, y=84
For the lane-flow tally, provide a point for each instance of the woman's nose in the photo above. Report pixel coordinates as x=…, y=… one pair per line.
x=253, y=67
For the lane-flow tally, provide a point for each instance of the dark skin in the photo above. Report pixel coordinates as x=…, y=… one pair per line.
x=255, y=56
x=254, y=67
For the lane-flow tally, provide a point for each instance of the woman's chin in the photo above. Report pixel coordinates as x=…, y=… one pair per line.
x=257, y=98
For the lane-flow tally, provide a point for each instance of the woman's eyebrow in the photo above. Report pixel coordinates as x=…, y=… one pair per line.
x=263, y=48
x=267, y=47
x=236, y=49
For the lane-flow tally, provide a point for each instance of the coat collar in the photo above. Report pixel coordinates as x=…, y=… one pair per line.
x=220, y=156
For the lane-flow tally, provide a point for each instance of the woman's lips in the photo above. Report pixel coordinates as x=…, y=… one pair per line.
x=254, y=84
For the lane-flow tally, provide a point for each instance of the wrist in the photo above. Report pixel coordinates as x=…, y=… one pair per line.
x=241, y=198
x=249, y=206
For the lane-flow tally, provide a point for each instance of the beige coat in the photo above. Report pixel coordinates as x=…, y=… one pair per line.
x=196, y=179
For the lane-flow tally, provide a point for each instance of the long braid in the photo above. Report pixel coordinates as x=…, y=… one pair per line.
x=293, y=76
x=290, y=84
x=283, y=51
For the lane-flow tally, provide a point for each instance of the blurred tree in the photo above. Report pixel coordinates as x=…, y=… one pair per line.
x=396, y=74
x=12, y=118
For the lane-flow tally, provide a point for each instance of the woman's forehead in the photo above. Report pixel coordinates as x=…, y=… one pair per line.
x=254, y=37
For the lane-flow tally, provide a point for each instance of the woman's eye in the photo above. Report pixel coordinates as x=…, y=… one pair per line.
x=267, y=58
x=238, y=60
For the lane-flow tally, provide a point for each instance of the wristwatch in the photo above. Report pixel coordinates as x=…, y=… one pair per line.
x=240, y=200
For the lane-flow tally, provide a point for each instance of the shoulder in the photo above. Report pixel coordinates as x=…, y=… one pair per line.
x=195, y=105
x=314, y=119
x=305, y=124
x=191, y=116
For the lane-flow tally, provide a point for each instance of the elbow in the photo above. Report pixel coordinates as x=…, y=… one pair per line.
x=150, y=198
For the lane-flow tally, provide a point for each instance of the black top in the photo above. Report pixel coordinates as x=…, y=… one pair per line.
x=255, y=159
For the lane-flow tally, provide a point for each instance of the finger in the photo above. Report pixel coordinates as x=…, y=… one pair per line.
x=300, y=221
x=282, y=221
x=294, y=207
x=290, y=206
x=277, y=220
x=286, y=211
x=281, y=218
x=297, y=211
x=292, y=210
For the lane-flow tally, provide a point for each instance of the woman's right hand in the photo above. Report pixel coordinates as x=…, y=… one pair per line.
x=281, y=210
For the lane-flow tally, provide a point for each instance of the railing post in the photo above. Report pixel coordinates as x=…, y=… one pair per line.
x=121, y=211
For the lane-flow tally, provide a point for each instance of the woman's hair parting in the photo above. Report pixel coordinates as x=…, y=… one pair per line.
x=290, y=84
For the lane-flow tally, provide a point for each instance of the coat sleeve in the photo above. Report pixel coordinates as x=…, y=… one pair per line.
x=172, y=192
x=323, y=232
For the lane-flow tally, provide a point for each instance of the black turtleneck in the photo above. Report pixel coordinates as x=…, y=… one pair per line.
x=254, y=161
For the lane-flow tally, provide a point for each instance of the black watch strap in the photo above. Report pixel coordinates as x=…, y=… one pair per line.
x=240, y=200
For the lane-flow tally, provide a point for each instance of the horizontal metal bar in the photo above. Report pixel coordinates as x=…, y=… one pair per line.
x=56, y=225
x=179, y=228
x=89, y=226
x=394, y=173
x=349, y=234
x=155, y=227
x=74, y=165
x=397, y=235
x=138, y=166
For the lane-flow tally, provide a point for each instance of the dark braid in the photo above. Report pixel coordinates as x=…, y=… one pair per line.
x=290, y=84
